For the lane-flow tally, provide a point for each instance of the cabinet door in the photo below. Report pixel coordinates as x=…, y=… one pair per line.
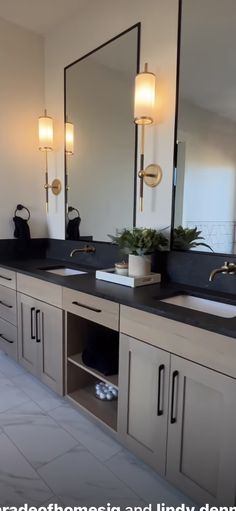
x=143, y=400
x=27, y=347
x=49, y=337
x=201, y=451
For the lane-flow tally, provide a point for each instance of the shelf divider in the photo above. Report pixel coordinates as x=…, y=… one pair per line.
x=77, y=360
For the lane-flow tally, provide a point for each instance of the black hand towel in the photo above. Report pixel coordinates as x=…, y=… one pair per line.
x=22, y=230
x=72, y=230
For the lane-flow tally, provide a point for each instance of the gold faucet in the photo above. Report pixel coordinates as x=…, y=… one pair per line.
x=87, y=249
x=226, y=268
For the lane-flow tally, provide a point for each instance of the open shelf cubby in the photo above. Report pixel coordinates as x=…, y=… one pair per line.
x=81, y=390
x=80, y=378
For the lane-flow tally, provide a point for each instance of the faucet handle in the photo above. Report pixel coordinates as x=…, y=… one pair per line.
x=232, y=268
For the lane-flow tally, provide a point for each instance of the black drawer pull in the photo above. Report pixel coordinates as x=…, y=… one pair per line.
x=86, y=307
x=161, y=371
x=37, y=326
x=6, y=305
x=5, y=278
x=5, y=339
x=32, y=322
x=173, y=418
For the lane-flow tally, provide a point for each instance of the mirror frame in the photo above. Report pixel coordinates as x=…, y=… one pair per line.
x=175, y=149
x=138, y=27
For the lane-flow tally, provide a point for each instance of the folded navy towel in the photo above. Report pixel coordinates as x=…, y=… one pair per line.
x=22, y=229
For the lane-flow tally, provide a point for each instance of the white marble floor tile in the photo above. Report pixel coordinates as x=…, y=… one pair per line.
x=19, y=482
x=53, y=500
x=36, y=435
x=39, y=393
x=144, y=481
x=8, y=367
x=10, y=395
x=78, y=478
x=87, y=433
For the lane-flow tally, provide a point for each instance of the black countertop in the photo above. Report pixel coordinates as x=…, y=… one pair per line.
x=146, y=298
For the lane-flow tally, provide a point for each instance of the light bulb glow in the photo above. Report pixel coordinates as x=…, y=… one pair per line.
x=69, y=136
x=45, y=133
x=144, y=98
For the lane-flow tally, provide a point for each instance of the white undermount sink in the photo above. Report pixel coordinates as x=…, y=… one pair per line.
x=223, y=310
x=65, y=272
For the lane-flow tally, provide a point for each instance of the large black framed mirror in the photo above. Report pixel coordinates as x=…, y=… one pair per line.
x=205, y=156
x=100, y=170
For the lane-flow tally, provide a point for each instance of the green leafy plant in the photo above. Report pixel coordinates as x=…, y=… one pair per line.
x=140, y=241
x=186, y=239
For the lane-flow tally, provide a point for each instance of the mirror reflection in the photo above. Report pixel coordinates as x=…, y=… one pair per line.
x=100, y=162
x=205, y=181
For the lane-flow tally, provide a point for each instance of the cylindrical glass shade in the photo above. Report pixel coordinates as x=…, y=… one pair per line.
x=45, y=133
x=144, y=98
x=69, y=134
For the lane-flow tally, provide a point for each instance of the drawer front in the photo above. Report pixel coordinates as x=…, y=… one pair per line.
x=207, y=348
x=44, y=291
x=7, y=278
x=92, y=308
x=8, y=304
x=8, y=338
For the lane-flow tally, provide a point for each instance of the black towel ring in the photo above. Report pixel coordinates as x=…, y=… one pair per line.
x=71, y=210
x=19, y=207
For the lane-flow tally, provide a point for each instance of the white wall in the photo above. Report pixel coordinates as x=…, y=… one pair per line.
x=98, y=22
x=22, y=100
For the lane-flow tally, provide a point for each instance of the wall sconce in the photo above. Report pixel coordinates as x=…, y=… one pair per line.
x=144, y=105
x=69, y=138
x=45, y=125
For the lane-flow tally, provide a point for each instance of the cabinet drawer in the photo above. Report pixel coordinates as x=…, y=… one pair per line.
x=207, y=348
x=8, y=304
x=92, y=308
x=7, y=278
x=45, y=291
x=8, y=338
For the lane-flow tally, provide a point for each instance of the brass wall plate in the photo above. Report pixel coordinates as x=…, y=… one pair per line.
x=56, y=186
x=152, y=175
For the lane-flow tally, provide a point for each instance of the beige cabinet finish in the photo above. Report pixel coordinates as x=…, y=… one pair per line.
x=201, y=453
x=8, y=313
x=143, y=400
x=8, y=304
x=41, y=340
x=7, y=278
x=207, y=348
x=42, y=290
x=8, y=338
x=201, y=427
x=27, y=347
x=103, y=312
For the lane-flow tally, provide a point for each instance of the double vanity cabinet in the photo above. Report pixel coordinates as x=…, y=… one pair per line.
x=176, y=406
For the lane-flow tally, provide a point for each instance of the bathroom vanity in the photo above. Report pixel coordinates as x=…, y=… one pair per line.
x=176, y=406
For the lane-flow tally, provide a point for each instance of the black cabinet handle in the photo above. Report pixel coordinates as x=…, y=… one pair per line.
x=6, y=305
x=32, y=322
x=5, y=278
x=86, y=307
x=161, y=372
x=5, y=339
x=37, y=326
x=173, y=418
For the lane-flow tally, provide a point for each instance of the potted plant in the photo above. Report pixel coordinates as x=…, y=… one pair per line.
x=138, y=243
x=186, y=239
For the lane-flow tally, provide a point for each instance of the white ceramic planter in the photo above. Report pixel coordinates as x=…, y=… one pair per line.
x=139, y=265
